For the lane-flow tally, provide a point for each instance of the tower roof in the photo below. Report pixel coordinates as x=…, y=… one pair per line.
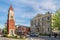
x=10, y=7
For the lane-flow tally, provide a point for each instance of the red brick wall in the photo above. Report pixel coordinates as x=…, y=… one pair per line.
x=10, y=25
x=25, y=29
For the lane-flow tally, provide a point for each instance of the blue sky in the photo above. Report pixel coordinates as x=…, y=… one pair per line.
x=25, y=10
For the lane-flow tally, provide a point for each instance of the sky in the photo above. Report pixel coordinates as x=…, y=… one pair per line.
x=25, y=10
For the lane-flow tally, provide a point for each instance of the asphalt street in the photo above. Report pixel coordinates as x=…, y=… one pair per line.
x=43, y=38
x=32, y=38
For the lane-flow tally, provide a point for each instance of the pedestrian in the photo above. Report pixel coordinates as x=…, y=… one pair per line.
x=49, y=35
x=55, y=35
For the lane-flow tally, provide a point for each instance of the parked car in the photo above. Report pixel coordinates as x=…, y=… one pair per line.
x=33, y=35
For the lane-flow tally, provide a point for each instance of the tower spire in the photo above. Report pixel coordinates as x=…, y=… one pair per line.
x=10, y=7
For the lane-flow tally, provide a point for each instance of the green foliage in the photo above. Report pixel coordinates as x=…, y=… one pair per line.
x=12, y=37
x=4, y=35
x=43, y=34
x=5, y=30
x=56, y=20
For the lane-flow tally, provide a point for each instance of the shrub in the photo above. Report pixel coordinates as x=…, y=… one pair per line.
x=4, y=35
x=43, y=34
x=14, y=36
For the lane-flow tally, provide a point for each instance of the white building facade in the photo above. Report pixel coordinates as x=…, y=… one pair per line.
x=41, y=24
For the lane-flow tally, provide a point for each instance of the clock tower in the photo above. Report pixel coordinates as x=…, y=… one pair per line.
x=11, y=22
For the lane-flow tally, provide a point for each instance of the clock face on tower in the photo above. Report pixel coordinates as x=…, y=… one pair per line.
x=12, y=17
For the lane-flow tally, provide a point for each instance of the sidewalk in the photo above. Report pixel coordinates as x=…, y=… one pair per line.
x=5, y=38
x=16, y=39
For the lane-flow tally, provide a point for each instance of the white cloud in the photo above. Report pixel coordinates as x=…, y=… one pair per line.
x=25, y=24
x=45, y=4
x=20, y=21
x=36, y=4
x=21, y=13
x=2, y=26
x=28, y=15
x=48, y=5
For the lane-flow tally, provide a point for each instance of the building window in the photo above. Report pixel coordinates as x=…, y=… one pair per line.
x=48, y=29
x=38, y=29
x=34, y=22
x=38, y=21
x=42, y=29
x=42, y=23
x=43, y=18
x=31, y=22
x=48, y=18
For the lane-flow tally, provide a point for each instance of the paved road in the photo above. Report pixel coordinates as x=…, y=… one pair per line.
x=32, y=38
x=43, y=38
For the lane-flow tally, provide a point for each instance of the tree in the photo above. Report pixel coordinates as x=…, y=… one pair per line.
x=5, y=30
x=56, y=19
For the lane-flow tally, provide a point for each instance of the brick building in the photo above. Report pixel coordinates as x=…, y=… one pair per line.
x=24, y=29
x=0, y=31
